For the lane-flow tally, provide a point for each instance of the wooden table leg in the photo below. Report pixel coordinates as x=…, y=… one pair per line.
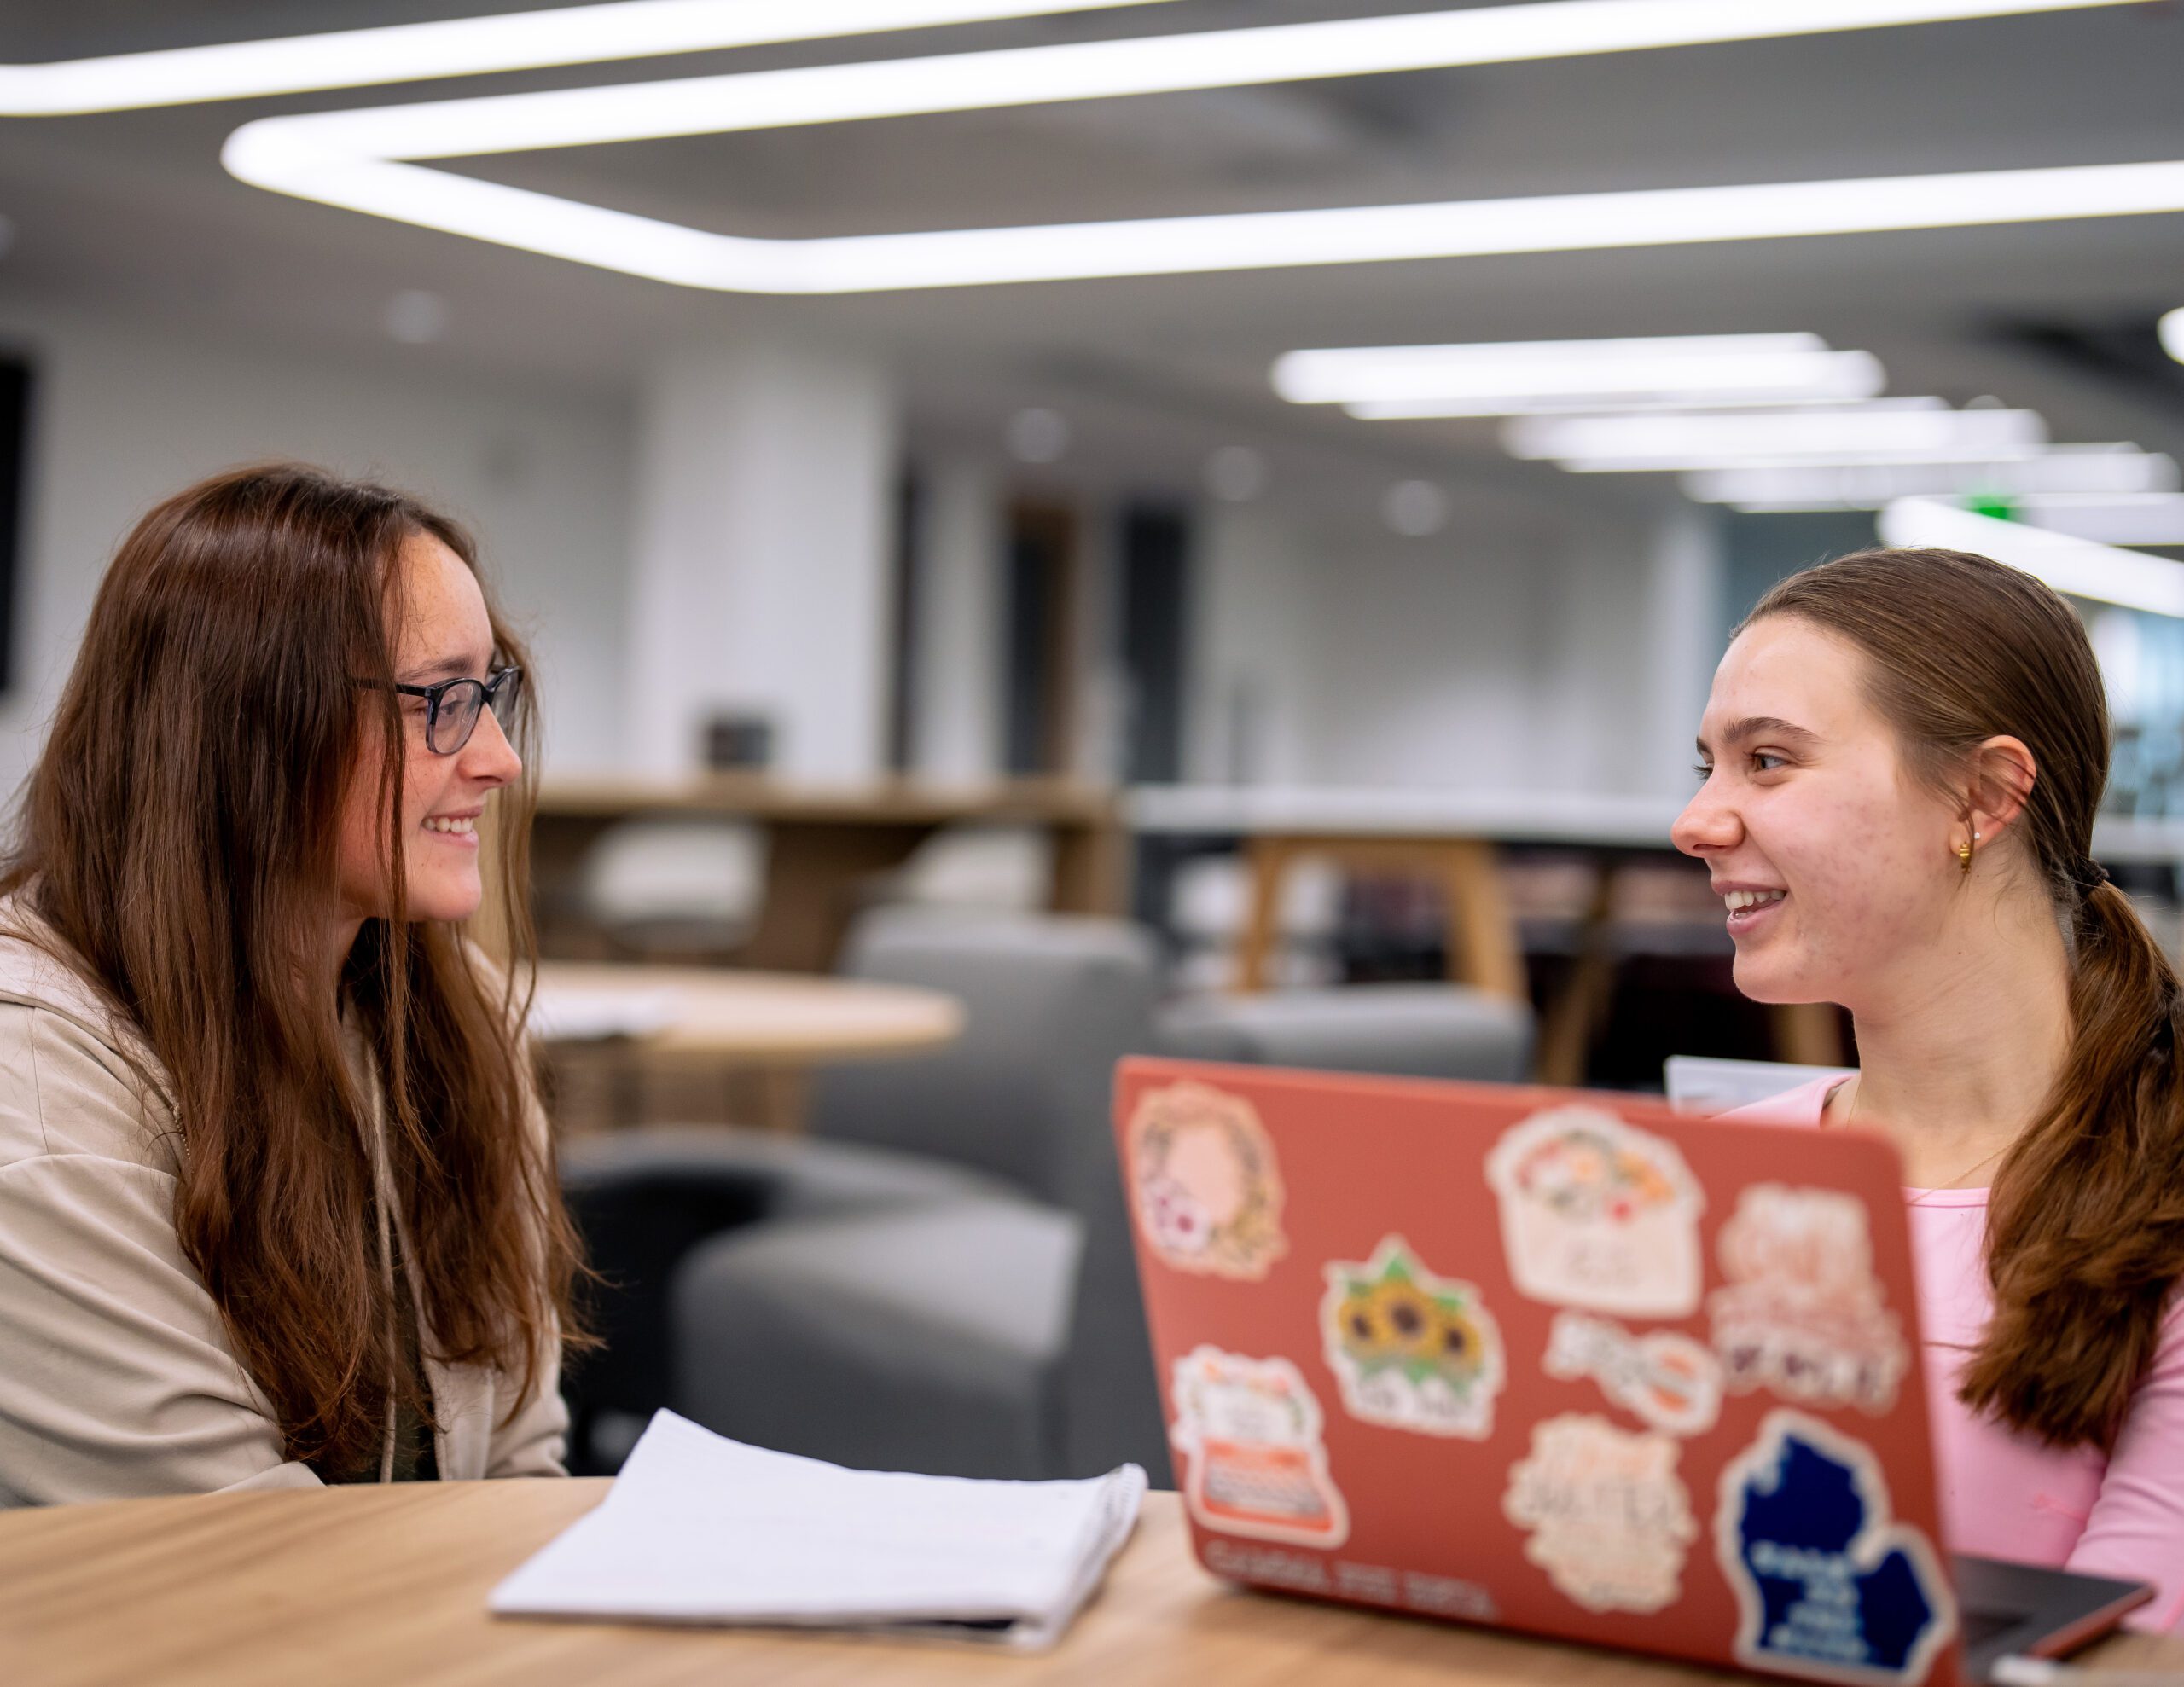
x=1269, y=859
x=1808, y=1032
x=1482, y=947
x=1565, y=1039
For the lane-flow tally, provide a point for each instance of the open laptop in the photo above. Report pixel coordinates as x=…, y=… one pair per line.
x=1562, y=1362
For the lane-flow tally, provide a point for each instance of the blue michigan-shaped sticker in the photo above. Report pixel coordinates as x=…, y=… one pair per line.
x=1828, y=1585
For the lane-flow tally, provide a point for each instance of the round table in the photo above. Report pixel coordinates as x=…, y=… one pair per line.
x=763, y=1029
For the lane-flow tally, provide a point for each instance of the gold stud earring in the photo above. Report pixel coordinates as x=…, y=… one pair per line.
x=1964, y=853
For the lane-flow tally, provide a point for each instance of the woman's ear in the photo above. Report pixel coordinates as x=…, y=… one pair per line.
x=2003, y=774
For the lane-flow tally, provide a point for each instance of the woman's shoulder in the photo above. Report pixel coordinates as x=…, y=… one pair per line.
x=75, y=1078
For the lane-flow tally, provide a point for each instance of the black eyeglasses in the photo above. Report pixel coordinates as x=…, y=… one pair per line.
x=452, y=707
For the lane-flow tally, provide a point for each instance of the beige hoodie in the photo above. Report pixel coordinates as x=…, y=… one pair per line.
x=116, y=1377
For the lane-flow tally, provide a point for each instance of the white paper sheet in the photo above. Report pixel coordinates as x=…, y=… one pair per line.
x=701, y=1529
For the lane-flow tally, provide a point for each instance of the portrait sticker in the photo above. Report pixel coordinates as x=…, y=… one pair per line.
x=1828, y=1583
x=1203, y=1184
x=1608, y=1518
x=1598, y=1215
x=1408, y=1349
x=1802, y=1313
x=1249, y=1432
x=1668, y=1382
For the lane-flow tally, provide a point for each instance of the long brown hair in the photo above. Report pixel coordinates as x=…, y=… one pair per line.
x=2085, y=1227
x=180, y=834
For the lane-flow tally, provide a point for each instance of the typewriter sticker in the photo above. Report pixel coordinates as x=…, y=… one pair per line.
x=1828, y=1583
x=1411, y=1350
x=1203, y=1185
x=1608, y=1518
x=1249, y=1432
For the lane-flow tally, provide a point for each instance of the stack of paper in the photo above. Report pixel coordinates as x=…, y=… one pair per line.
x=700, y=1529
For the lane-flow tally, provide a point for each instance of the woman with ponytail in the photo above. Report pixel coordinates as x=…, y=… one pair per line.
x=1902, y=757
x=277, y=1203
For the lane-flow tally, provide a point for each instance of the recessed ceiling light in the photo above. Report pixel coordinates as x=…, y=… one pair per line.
x=1651, y=443
x=1417, y=509
x=358, y=159
x=418, y=52
x=1236, y=475
x=416, y=318
x=2078, y=567
x=2171, y=329
x=1037, y=436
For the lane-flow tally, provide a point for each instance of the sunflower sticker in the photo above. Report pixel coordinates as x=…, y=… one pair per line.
x=1203, y=1182
x=1411, y=1350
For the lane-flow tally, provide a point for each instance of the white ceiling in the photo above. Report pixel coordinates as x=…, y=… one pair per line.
x=131, y=210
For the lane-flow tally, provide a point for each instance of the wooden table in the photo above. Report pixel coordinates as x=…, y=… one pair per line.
x=825, y=842
x=388, y=1585
x=761, y=1031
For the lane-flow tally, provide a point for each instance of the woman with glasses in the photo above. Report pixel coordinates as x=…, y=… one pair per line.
x=276, y=1201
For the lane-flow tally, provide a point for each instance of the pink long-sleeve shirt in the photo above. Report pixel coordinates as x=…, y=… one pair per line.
x=2006, y=1495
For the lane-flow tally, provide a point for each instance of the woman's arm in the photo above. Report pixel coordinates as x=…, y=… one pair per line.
x=118, y=1381
x=2136, y=1531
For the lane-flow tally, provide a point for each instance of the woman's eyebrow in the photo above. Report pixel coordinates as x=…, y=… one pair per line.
x=447, y=668
x=1763, y=726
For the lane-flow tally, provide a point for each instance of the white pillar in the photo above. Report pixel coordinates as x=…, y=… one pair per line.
x=958, y=631
x=763, y=550
x=1685, y=580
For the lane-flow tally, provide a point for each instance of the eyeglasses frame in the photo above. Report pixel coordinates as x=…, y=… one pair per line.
x=490, y=688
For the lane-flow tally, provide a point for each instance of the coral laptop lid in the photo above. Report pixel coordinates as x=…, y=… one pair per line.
x=1563, y=1362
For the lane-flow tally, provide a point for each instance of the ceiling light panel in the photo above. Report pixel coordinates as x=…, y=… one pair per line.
x=2171, y=329
x=1688, y=441
x=573, y=35
x=363, y=160
x=2075, y=566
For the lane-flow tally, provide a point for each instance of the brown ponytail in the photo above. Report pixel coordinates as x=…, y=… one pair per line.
x=2085, y=1228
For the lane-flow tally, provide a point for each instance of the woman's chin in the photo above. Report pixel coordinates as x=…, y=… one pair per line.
x=1766, y=979
x=446, y=900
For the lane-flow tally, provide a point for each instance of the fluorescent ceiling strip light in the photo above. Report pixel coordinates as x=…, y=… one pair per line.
x=283, y=155
x=573, y=35
x=1686, y=440
x=1603, y=403
x=2078, y=567
x=1798, y=364
x=2171, y=329
x=1161, y=64
x=2107, y=470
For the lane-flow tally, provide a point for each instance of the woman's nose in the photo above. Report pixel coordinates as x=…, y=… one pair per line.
x=1707, y=824
x=489, y=757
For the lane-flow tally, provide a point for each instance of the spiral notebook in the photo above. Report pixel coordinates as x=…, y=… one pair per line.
x=699, y=1529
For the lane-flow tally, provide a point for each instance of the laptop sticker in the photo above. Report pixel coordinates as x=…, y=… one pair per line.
x=1668, y=1381
x=1802, y=1313
x=1609, y=1519
x=1598, y=1215
x=1250, y=1430
x=1828, y=1585
x=1204, y=1182
x=1408, y=1349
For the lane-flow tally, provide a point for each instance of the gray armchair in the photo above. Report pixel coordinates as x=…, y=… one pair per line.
x=1396, y=1030
x=1001, y=1335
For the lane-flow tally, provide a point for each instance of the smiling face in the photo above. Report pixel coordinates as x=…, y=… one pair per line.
x=1809, y=816
x=445, y=633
